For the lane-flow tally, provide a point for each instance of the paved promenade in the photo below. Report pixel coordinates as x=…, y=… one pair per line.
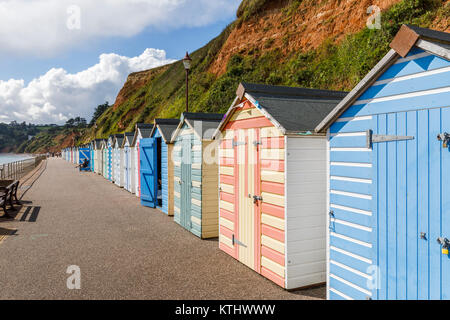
x=124, y=250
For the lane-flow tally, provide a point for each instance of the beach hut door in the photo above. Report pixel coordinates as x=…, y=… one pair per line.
x=410, y=206
x=248, y=211
x=126, y=167
x=149, y=172
x=186, y=183
x=84, y=153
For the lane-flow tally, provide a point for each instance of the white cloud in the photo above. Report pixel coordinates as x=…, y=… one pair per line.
x=58, y=95
x=45, y=27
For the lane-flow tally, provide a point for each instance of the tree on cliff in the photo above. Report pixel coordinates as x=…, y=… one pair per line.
x=98, y=112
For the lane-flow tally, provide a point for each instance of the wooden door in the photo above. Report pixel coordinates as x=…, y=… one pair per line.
x=246, y=166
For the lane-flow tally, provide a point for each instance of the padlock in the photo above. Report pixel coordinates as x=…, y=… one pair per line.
x=445, y=138
x=445, y=243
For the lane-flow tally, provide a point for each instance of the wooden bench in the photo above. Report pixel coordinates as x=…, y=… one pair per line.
x=3, y=201
x=8, y=194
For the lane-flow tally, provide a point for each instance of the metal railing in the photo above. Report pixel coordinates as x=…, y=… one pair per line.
x=18, y=169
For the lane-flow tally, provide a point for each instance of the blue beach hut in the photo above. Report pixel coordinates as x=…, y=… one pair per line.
x=157, y=171
x=389, y=163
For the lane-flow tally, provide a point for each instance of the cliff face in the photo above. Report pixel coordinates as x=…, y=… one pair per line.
x=298, y=26
x=308, y=43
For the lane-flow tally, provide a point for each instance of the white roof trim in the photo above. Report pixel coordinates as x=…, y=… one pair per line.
x=439, y=49
x=175, y=133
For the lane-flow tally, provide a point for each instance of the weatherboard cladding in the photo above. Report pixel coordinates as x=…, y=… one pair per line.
x=283, y=235
x=382, y=198
x=196, y=180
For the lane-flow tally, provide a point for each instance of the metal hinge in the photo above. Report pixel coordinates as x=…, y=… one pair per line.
x=375, y=138
x=238, y=143
x=330, y=220
x=236, y=241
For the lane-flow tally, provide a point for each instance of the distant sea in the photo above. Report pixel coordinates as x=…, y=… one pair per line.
x=11, y=157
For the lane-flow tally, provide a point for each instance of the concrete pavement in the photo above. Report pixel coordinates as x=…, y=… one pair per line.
x=124, y=250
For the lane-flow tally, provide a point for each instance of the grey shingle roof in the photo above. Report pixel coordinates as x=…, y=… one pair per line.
x=97, y=143
x=128, y=136
x=295, y=109
x=119, y=138
x=145, y=129
x=166, y=127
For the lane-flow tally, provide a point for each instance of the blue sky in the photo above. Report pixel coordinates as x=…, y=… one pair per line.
x=61, y=58
x=175, y=42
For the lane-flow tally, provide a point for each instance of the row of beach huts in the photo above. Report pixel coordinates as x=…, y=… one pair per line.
x=309, y=186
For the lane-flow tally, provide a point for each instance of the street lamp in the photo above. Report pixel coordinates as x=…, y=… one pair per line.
x=187, y=66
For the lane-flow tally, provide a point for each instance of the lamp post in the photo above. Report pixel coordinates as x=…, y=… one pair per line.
x=187, y=66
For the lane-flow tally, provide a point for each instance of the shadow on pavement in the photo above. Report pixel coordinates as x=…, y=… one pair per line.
x=7, y=232
x=34, y=214
x=30, y=212
x=318, y=292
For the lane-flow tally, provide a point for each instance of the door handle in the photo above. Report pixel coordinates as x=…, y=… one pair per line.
x=257, y=198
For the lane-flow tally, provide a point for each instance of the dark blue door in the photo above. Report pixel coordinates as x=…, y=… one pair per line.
x=149, y=172
x=85, y=153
